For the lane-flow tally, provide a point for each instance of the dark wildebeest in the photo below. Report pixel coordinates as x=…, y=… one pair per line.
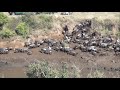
x=65, y=29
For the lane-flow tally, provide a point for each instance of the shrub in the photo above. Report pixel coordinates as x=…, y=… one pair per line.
x=13, y=22
x=97, y=24
x=22, y=29
x=41, y=70
x=108, y=24
x=3, y=20
x=45, y=21
x=64, y=72
x=96, y=74
x=7, y=33
x=30, y=20
x=44, y=70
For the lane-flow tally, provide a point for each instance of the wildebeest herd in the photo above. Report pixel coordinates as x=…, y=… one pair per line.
x=82, y=37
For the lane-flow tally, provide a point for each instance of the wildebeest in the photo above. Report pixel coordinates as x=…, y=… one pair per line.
x=32, y=46
x=79, y=36
x=83, y=48
x=67, y=49
x=52, y=43
x=93, y=52
x=27, y=44
x=4, y=51
x=68, y=34
x=92, y=49
x=76, y=47
x=20, y=50
x=94, y=43
x=104, y=45
x=86, y=43
x=9, y=48
x=107, y=40
x=56, y=48
x=38, y=42
x=75, y=40
x=87, y=23
x=29, y=52
x=67, y=39
x=85, y=36
x=65, y=29
x=46, y=50
x=71, y=52
x=116, y=49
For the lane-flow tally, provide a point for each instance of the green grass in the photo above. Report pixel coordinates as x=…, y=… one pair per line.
x=7, y=33
x=22, y=29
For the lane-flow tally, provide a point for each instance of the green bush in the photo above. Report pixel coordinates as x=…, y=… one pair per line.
x=7, y=33
x=45, y=21
x=41, y=70
x=13, y=22
x=3, y=20
x=30, y=20
x=64, y=71
x=22, y=29
x=96, y=74
x=45, y=70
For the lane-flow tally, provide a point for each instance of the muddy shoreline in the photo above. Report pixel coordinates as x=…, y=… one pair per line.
x=14, y=65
